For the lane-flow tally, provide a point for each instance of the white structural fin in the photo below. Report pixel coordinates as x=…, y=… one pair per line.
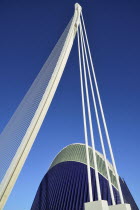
x=23, y=127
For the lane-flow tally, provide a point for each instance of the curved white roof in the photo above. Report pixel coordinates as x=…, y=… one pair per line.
x=77, y=152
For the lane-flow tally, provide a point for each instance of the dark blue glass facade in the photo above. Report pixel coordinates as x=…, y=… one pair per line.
x=65, y=187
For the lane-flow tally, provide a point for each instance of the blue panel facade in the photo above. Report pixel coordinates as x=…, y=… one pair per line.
x=64, y=187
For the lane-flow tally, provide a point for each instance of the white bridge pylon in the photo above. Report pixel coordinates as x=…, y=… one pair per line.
x=19, y=134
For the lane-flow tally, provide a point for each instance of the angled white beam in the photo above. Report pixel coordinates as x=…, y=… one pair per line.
x=33, y=129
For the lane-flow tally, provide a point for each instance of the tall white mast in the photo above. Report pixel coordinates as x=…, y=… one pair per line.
x=33, y=129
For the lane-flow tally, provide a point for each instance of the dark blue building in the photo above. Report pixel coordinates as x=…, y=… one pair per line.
x=65, y=185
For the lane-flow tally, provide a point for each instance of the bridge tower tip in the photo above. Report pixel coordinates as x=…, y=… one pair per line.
x=78, y=7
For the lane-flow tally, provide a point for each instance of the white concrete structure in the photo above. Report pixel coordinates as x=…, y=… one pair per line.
x=97, y=205
x=33, y=129
x=120, y=207
x=103, y=205
x=25, y=143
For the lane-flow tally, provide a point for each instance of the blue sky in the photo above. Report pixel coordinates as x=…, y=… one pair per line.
x=28, y=32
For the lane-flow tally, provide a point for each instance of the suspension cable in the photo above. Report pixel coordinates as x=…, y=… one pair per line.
x=84, y=120
x=90, y=119
x=103, y=117
x=98, y=125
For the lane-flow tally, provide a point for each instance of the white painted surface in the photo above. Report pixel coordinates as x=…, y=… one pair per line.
x=97, y=205
x=120, y=207
x=32, y=131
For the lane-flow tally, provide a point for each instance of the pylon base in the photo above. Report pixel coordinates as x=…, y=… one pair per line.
x=120, y=207
x=96, y=205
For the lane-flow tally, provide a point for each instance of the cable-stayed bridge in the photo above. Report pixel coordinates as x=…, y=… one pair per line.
x=19, y=134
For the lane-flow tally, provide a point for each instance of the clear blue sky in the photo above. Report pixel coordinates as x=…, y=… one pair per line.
x=29, y=30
